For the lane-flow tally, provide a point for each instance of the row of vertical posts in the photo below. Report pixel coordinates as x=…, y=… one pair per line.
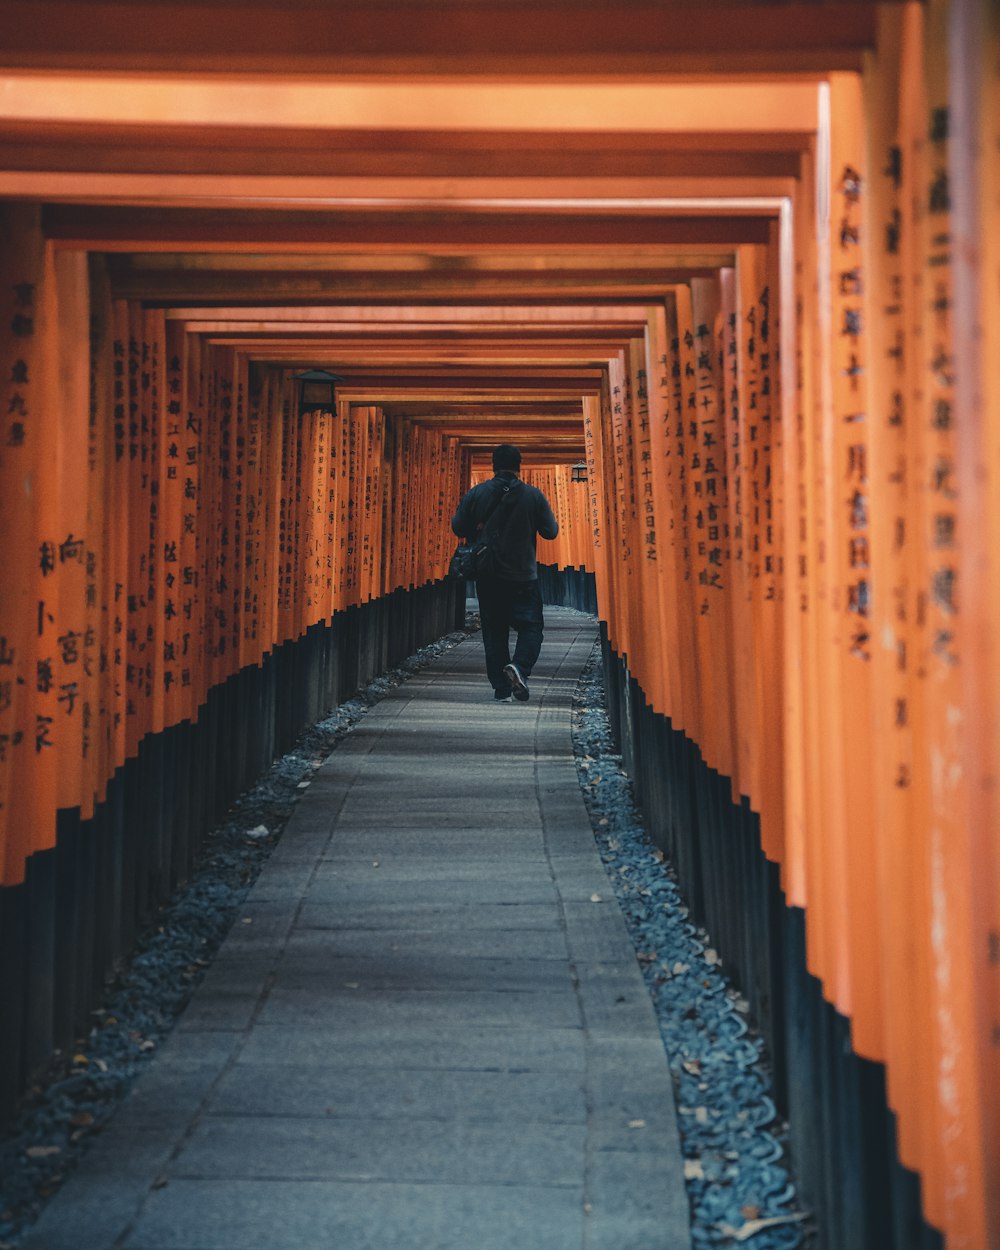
x=169, y=518
x=190, y=563
x=796, y=476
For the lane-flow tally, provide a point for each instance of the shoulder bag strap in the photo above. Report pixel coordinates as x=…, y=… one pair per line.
x=503, y=493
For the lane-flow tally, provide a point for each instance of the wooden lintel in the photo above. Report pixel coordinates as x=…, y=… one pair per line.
x=350, y=288
x=125, y=229
x=433, y=38
x=275, y=167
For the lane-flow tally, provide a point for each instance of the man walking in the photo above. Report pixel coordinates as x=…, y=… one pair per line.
x=509, y=596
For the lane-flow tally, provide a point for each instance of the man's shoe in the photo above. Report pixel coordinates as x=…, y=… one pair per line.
x=519, y=687
x=502, y=698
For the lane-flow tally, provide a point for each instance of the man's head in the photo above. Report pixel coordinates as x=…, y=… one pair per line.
x=506, y=456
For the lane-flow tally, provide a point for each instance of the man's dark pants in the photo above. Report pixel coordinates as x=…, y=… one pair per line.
x=504, y=606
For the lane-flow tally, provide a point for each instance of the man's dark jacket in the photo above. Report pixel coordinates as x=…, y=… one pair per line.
x=524, y=515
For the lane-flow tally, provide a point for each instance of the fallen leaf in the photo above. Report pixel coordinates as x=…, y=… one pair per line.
x=701, y=1115
x=352, y=985
x=147, y=1046
x=161, y=1182
x=375, y=863
x=596, y=898
x=692, y=1067
x=42, y=1152
x=646, y=957
x=304, y=785
x=247, y=920
x=259, y=831
x=637, y=1123
x=80, y=1059
x=750, y=1211
x=680, y=968
x=693, y=1171
x=101, y=1065
x=711, y=956
x=752, y=1227
x=82, y=1119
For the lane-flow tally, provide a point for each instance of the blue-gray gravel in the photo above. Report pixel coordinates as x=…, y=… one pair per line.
x=734, y=1145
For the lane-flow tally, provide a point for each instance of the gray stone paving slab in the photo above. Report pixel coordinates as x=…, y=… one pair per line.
x=470, y=944
x=100, y=1212
x=460, y=917
x=500, y=817
x=444, y=1094
x=595, y=932
x=301, y=1215
x=614, y=1000
x=580, y=878
x=440, y=843
x=408, y=970
x=219, y=1012
x=453, y=1050
x=471, y=892
x=167, y=1097
x=422, y=1046
x=456, y=873
x=181, y=1050
x=334, y=1148
x=637, y=1201
x=482, y=857
x=136, y=1151
x=338, y=1009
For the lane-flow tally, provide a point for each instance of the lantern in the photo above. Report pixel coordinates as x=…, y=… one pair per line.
x=318, y=390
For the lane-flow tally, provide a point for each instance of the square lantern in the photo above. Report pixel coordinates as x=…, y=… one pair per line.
x=318, y=391
x=578, y=472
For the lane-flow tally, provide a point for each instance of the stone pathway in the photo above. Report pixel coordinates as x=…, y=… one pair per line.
x=427, y=1031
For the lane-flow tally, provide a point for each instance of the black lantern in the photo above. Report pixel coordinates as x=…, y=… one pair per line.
x=318, y=390
x=578, y=472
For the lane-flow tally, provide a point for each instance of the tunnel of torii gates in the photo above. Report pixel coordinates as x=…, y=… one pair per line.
x=741, y=260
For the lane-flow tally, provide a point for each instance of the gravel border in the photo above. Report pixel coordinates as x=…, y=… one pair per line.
x=69, y=1104
x=735, y=1148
